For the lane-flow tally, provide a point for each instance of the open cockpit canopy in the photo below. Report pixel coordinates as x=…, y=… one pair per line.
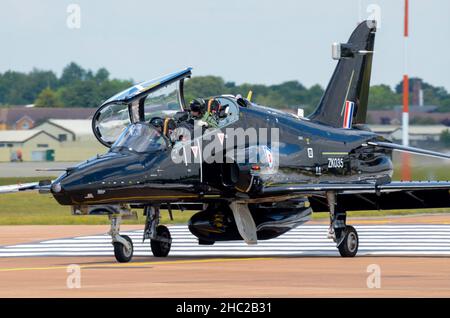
x=161, y=97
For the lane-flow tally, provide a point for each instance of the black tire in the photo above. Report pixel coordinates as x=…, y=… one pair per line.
x=205, y=242
x=121, y=253
x=161, y=249
x=349, y=246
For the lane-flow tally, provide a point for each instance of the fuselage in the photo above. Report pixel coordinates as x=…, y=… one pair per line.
x=308, y=152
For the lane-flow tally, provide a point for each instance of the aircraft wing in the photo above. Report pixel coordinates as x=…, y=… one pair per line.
x=413, y=150
x=42, y=187
x=19, y=187
x=371, y=196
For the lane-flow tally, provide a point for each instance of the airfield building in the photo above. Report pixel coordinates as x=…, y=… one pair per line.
x=53, y=140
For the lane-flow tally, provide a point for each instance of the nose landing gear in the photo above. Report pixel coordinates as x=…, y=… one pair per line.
x=122, y=252
x=123, y=245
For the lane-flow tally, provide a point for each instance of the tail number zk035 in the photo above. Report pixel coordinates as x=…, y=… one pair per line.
x=335, y=162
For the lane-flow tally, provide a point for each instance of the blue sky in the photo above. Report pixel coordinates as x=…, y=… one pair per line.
x=255, y=41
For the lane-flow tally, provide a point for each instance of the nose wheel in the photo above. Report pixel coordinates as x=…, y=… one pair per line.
x=123, y=252
x=123, y=245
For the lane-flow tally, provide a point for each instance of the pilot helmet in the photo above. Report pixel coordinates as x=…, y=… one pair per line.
x=198, y=105
x=157, y=122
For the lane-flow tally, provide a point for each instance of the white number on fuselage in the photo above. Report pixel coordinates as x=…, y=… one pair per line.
x=335, y=162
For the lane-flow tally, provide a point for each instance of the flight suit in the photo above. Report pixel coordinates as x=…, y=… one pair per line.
x=209, y=119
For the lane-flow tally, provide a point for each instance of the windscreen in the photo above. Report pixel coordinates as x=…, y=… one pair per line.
x=141, y=138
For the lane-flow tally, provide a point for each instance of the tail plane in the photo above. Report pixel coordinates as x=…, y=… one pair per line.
x=344, y=102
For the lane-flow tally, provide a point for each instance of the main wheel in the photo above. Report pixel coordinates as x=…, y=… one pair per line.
x=349, y=246
x=159, y=248
x=205, y=242
x=123, y=254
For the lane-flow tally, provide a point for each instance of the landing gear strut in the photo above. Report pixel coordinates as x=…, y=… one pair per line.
x=345, y=236
x=159, y=235
x=123, y=246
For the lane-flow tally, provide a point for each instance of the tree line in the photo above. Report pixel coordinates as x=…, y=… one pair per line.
x=79, y=87
x=76, y=87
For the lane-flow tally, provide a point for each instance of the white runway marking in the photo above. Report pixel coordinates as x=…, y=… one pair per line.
x=307, y=240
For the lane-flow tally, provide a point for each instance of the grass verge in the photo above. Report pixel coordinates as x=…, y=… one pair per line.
x=30, y=208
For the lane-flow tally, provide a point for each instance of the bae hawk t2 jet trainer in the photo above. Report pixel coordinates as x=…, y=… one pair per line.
x=161, y=158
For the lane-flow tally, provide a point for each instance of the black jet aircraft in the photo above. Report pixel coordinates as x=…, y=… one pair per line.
x=328, y=161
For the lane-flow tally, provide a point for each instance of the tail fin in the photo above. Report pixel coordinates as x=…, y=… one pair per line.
x=345, y=99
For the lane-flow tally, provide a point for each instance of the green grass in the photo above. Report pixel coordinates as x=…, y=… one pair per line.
x=15, y=180
x=41, y=209
x=428, y=172
x=423, y=168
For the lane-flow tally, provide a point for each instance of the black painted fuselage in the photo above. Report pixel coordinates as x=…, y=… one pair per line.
x=308, y=153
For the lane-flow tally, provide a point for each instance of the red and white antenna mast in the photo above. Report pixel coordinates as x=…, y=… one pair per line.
x=406, y=167
x=405, y=115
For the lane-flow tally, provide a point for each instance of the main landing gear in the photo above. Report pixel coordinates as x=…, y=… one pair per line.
x=345, y=236
x=159, y=235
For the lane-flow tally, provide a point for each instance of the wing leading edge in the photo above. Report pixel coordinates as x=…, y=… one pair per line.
x=413, y=150
x=19, y=187
x=42, y=186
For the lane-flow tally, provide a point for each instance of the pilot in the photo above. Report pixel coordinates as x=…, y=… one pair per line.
x=158, y=123
x=199, y=112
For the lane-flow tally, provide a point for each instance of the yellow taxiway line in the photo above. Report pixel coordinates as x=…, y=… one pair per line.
x=99, y=265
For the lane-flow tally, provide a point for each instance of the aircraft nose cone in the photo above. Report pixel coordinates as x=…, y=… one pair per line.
x=56, y=187
x=90, y=176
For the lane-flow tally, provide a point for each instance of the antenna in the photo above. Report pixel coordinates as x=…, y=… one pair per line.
x=406, y=169
x=405, y=115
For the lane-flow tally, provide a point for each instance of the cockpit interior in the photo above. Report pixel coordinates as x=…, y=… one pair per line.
x=153, y=115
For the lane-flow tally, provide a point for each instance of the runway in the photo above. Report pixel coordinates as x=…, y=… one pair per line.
x=307, y=240
x=413, y=260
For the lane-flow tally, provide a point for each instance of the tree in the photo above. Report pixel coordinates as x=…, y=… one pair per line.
x=102, y=75
x=80, y=94
x=47, y=98
x=383, y=97
x=315, y=93
x=37, y=81
x=204, y=86
x=108, y=88
x=71, y=74
x=13, y=86
x=87, y=88
x=432, y=95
